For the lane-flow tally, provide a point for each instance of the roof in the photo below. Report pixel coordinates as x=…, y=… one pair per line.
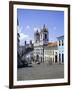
x=51, y=44
x=60, y=36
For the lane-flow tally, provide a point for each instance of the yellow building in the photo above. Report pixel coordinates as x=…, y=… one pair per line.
x=49, y=51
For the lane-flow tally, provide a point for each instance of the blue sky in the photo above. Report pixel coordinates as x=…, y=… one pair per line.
x=31, y=20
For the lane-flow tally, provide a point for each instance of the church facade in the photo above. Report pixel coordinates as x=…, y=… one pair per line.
x=40, y=41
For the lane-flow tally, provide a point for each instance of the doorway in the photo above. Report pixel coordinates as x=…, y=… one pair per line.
x=62, y=58
x=55, y=58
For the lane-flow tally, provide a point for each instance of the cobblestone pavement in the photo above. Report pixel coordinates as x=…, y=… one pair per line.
x=41, y=71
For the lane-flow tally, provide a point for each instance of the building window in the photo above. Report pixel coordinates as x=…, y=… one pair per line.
x=62, y=42
x=56, y=57
x=56, y=53
x=59, y=57
x=45, y=36
x=59, y=43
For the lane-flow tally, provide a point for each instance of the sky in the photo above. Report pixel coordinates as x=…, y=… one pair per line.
x=30, y=20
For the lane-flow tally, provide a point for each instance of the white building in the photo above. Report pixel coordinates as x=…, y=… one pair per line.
x=41, y=39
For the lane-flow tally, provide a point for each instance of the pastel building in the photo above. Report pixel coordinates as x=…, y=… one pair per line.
x=49, y=51
x=59, y=54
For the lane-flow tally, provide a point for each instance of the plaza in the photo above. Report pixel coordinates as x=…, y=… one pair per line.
x=41, y=71
x=46, y=55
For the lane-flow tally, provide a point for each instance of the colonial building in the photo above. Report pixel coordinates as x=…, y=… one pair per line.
x=49, y=51
x=44, y=50
x=40, y=40
x=59, y=54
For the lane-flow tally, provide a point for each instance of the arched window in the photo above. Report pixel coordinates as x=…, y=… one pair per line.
x=45, y=36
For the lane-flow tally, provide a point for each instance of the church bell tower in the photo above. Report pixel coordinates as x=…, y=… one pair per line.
x=44, y=36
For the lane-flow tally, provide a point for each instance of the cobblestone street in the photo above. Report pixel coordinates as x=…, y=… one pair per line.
x=41, y=71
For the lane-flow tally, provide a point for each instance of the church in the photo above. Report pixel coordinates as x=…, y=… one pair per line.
x=40, y=40
x=43, y=48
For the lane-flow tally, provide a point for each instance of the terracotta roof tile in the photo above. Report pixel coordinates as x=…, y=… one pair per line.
x=52, y=44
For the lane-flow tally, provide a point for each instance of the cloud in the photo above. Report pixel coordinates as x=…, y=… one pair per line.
x=27, y=27
x=35, y=29
x=23, y=36
x=20, y=29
